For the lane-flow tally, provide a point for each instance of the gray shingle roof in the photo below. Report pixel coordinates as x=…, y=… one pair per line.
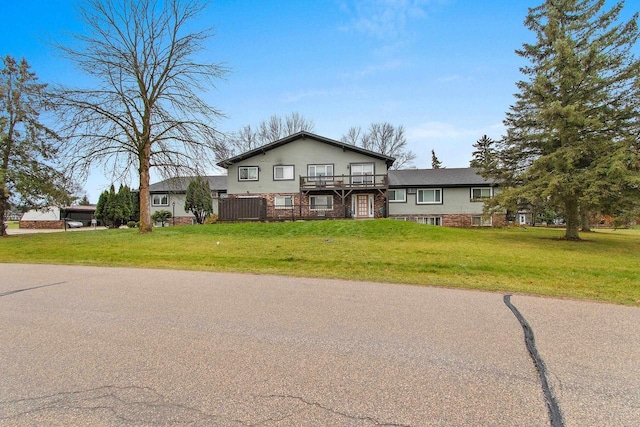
x=180, y=184
x=455, y=177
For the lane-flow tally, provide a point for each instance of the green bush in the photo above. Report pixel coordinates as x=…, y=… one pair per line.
x=161, y=216
x=132, y=224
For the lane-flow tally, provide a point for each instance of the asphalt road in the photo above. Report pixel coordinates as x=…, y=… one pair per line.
x=83, y=346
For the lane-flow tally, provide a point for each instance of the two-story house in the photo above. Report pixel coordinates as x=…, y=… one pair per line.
x=309, y=176
x=306, y=176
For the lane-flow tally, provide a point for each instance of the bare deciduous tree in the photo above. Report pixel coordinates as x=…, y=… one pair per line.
x=145, y=110
x=275, y=128
x=383, y=138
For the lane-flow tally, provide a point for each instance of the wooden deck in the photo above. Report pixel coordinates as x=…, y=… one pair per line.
x=344, y=182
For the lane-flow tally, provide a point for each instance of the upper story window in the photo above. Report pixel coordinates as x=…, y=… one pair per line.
x=429, y=196
x=283, y=173
x=479, y=194
x=320, y=172
x=160, y=200
x=248, y=173
x=362, y=173
x=397, y=195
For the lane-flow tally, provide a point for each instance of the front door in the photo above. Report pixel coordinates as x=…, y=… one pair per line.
x=364, y=206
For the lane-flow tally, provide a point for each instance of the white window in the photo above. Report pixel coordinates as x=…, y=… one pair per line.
x=321, y=203
x=160, y=200
x=397, y=195
x=320, y=172
x=478, y=194
x=479, y=221
x=429, y=196
x=362, y=173
x=283, y=173
x=429, y=220
x=248, y=173
x=283, y=202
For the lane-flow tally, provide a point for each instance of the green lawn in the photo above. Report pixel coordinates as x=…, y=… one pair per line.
x=605, y=266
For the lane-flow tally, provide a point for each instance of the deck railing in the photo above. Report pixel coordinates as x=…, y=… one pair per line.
x=343, y=182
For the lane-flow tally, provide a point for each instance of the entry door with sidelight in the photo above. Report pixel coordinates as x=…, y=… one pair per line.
x=364, y=206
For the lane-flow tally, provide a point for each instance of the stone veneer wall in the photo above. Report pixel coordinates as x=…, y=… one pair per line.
x=379, y=205
x=457, y=220
x=41, y=225
x=302, y=208
x=182, y=220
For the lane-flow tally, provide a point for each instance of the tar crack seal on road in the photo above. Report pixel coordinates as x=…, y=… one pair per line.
x=4, y=294
x=335, y=412
x=555, y=414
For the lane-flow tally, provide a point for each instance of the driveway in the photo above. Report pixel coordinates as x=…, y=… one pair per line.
x=111, y=346
x=18, y=231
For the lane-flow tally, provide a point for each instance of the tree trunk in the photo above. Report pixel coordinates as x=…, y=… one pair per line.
x=3, y=207
x=145, y=214
x=584, y=221
x=572, y=217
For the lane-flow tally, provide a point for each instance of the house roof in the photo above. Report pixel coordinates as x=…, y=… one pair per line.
x=304, y=135
x=180, y=184
x=454, y=177
x=79, y=208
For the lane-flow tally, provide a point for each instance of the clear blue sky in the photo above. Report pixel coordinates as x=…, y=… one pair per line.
x=445, y=69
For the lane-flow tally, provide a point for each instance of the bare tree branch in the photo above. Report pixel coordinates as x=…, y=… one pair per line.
x=383, y=138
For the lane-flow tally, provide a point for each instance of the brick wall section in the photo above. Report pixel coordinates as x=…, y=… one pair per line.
x=41, y=225
x=283, y=214
x=338, y=211
x=459, y=220
x=379, y=205
x=181, y=220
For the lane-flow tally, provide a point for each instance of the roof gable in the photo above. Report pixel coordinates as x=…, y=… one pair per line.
x=304, y=135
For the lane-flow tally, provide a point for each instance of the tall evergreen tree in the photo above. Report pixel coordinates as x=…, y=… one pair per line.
x=84, y=201
x=115, y=209
x=435, y=162
x=28, y=148
x=484, y=156
x=198, y=199
x=571, y=139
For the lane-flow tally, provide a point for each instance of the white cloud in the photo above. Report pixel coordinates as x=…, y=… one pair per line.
x=387, y=20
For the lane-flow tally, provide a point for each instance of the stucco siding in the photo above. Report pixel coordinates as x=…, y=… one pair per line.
x=299, y=154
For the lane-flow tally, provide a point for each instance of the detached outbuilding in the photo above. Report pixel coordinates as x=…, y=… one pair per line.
x=53, y=217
